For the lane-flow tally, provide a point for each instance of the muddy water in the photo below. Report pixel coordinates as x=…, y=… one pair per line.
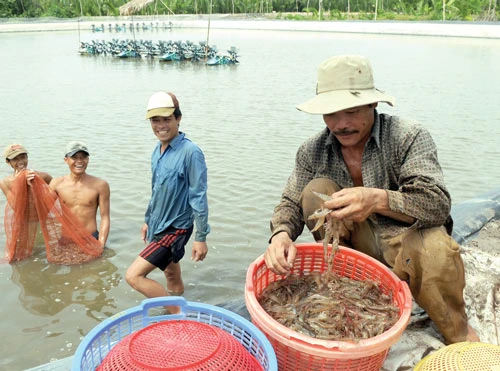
x=245, y=120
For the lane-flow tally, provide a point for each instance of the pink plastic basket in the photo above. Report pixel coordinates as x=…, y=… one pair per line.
x=296, y=351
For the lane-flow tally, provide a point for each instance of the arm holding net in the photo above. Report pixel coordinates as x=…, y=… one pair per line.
x=20, y=221
x=66, y=240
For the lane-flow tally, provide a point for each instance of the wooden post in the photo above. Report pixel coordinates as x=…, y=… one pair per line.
x=208, y=32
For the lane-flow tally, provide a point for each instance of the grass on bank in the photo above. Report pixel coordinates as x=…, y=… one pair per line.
x=312, y=15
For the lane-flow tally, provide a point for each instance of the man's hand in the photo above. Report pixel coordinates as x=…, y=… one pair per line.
x=144, y=232
x=280, y=254
x=355, y=204
x=30, y=175
x=199, y=252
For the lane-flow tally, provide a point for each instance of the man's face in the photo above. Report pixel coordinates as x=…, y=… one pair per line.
x=20, y=162
x=78, y=162
x=165, y=128
x=352, y=127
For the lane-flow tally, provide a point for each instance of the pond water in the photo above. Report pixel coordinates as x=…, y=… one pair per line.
x=244, y=118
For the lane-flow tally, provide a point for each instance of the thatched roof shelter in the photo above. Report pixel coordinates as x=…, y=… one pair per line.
x=134, y=6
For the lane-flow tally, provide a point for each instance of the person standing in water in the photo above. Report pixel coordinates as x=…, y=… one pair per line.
x=178, y=202
x=83, y=193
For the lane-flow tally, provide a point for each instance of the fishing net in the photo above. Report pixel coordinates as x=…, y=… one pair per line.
x=21, y=221
x=67, y=241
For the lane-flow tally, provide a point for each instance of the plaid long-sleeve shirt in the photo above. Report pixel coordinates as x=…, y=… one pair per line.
x=400, y=157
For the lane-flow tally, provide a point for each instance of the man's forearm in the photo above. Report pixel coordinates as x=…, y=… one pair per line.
x=104, y=231
x=383, y=208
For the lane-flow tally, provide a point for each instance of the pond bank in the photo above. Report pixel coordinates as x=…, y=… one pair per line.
x=218, y=21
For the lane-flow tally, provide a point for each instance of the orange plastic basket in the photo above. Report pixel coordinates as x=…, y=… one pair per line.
x=296, y=351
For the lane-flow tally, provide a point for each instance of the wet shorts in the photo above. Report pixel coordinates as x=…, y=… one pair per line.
x=65, y=240
x=167, y=247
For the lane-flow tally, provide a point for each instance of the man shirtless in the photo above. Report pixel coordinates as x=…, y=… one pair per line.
x=16, y=156
x=20, y=223
x=84, y=193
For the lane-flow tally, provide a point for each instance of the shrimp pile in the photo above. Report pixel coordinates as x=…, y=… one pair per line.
x=330, y=307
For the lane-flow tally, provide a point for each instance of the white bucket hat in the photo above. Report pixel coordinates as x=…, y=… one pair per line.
x=344, y=82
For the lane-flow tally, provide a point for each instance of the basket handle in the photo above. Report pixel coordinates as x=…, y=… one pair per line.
x=164, y=301
x=151, y=303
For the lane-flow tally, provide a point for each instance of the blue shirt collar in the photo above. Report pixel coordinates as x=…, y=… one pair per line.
x=173, y=144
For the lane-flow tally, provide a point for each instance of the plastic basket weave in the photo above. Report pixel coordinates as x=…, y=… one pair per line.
x=465, y=356
x=179, y=345
x=296, y=351
x=104, y=337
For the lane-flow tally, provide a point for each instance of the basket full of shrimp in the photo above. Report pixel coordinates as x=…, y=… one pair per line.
x=342, y=313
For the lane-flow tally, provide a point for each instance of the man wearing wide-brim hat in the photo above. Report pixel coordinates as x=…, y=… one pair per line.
x=386, y=191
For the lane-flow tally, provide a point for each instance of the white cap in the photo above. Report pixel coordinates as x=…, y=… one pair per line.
x=161, y=104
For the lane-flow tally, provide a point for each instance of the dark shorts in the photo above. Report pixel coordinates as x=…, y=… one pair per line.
x=167, y=247
x=64, y=240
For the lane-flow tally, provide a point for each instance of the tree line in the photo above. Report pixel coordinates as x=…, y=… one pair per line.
x=472, y=10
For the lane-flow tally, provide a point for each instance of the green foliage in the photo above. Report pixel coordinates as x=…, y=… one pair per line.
x=311, y=11
x=337, y=15
x=295, y=17
x=366, y=16
x=284, y=9
x=386, y=15
x=57, y=11
x=9, y=8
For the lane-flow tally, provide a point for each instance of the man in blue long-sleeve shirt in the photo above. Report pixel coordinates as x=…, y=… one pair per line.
x=178, y=202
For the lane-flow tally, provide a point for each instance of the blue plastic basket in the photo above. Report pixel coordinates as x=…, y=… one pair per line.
x=102, y=338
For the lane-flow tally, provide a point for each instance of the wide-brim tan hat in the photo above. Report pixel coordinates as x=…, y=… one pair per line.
x=344, y=82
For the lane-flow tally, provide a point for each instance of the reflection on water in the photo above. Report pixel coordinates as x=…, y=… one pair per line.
x=46, y=289
x=244, y=119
